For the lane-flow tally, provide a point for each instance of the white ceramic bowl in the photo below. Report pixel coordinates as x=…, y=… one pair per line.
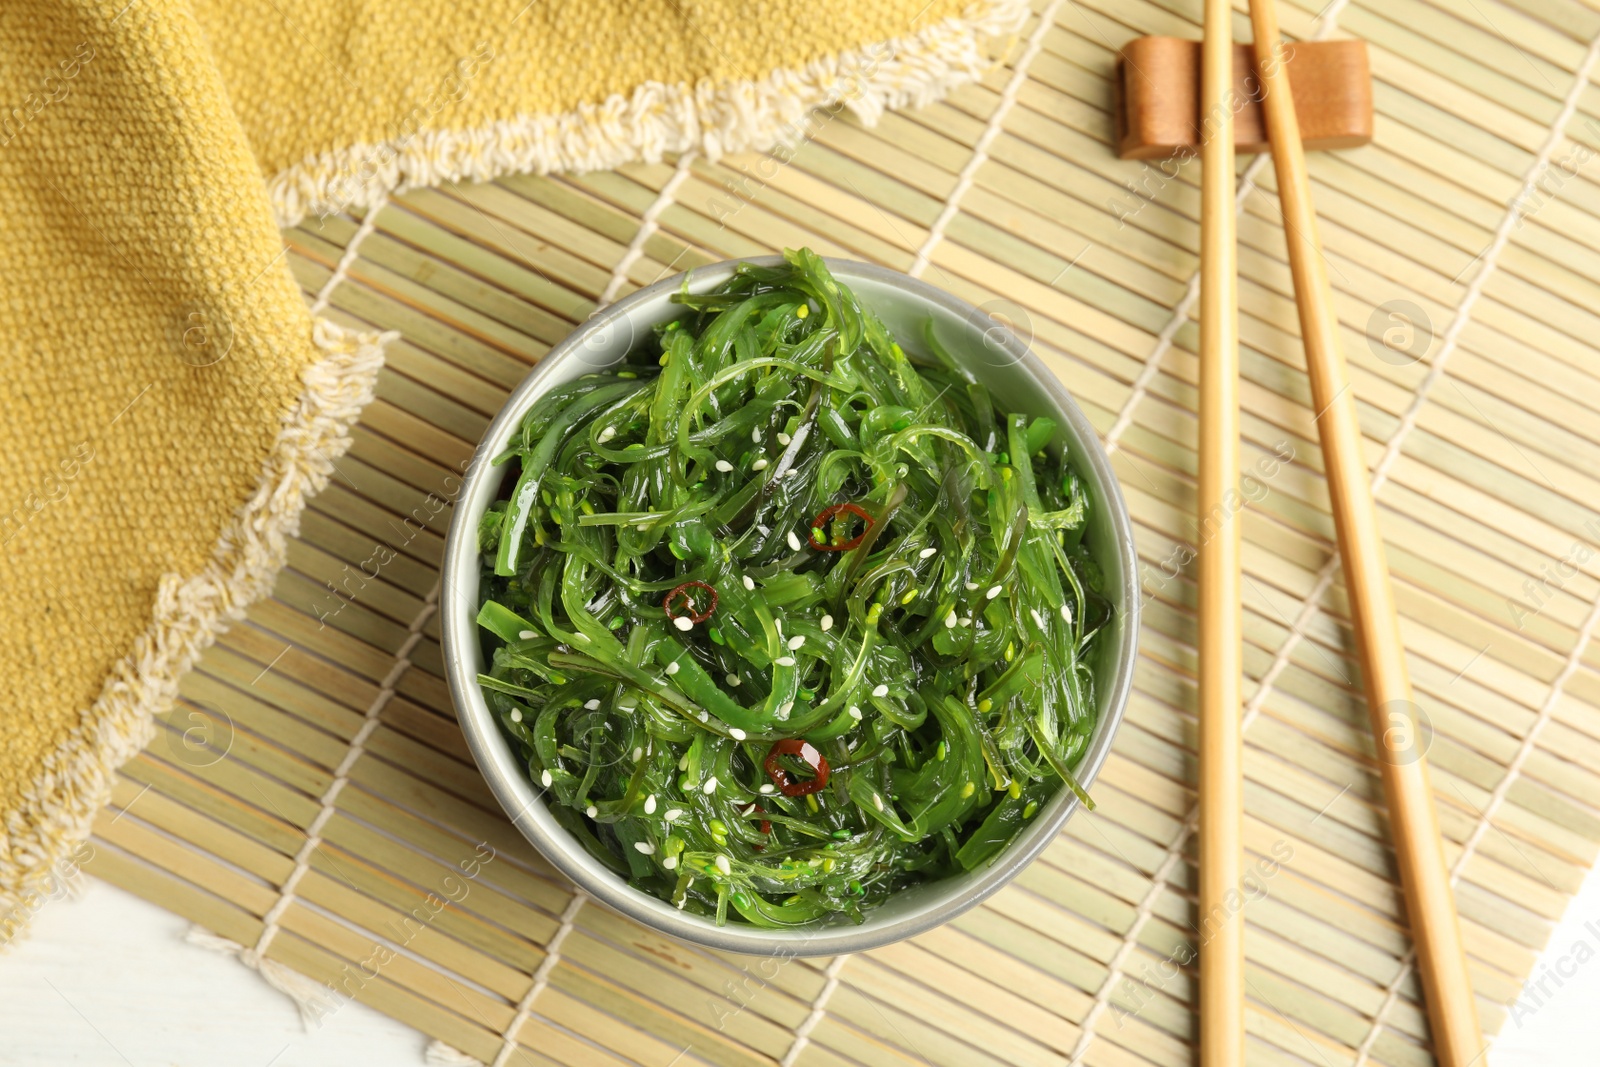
x=1019, y=381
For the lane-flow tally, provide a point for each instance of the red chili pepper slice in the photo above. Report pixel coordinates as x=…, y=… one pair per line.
x=688, y=601
x=791, y=787
x=821, y=522
x=765, y=825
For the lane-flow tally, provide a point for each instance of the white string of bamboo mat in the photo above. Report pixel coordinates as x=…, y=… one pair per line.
x=1513, y=218
x=649, y=223
x=980, y=154
x=1180, y=317
x=541, y=978
x=819, y=1009
x=991, y=130
x=441, y=1054
x=352, y=252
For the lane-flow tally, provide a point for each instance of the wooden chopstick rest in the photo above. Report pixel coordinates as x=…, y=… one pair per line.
x=1156, y=96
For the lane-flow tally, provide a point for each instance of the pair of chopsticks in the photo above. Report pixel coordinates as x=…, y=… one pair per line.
x=1436, y=932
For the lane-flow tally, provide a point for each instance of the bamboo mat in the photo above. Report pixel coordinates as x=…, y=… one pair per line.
x=1466, y=234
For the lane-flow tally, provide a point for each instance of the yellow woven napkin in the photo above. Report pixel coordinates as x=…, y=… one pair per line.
x=168, y=400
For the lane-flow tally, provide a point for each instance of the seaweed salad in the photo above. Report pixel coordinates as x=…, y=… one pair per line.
x=782, y=620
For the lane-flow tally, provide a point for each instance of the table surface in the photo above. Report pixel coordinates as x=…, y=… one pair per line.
x=108, y=979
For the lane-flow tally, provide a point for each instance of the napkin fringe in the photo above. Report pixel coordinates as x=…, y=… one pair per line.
x=43, y=845
x=751, y=115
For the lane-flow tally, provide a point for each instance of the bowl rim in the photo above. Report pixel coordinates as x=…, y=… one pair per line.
x=522, y=801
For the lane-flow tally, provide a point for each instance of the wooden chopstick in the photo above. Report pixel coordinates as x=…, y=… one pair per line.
x=1221, y=922
x=1435, y=929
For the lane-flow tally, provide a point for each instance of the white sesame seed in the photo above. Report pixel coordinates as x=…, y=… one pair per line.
x=877, y=801
x=673, y=814
x=644, y=846
x=527, y=635
x=950, y=621
x=703, y=716
x=1066, y=612
x=516, y=715
x=638, y=754
x=971, y=586
x=671, y=864
x=723, y=865
x=794, y=542
x=591, y=811
x=650, y=804
x=545, y=779
x=673, y=668
x=755, y=435
x=929, y=551
x=590, y=705
x=710, y=786
x=966, y=621
x=855, y=712
x=736, y=733
x=683, y=622
x=784, y=661
x=683, y=762
x=581, y=636
x=796, y=641
x=760, y=464
x=1038, y=620
x=783, y=712
x=749, y=583
x=826, y=623
x=994, y=591
x=607, y=434
x=768, y=788
x=881, y=691
x=733, y=679
x=724, y=466
x=783, y=438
